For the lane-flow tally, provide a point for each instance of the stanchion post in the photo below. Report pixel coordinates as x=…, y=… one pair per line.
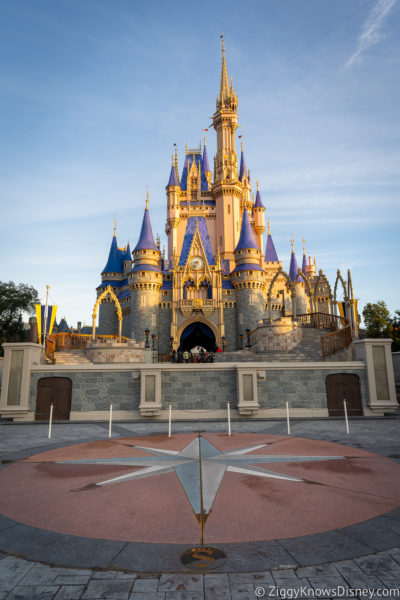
x=169, y=419
x=110, y=422
x=345, y=415
x=229, y=418
x=287, y=417
x=50, y=420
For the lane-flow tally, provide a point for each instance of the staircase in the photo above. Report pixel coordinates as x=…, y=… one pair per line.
x=309, y=350
x=71, y=357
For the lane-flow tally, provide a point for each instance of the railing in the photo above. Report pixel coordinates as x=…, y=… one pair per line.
x=321, y=321
x=77, y=341
x=336, y=341
x=197, y=303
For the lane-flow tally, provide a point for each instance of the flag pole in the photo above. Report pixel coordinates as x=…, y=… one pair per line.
x=45, y=319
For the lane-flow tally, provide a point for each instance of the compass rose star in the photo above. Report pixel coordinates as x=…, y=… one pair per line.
x=200, y=467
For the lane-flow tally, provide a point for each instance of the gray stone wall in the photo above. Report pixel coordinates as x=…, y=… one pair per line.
x=95, y=390
x=126, y=322
x=249, y=303
x=108, y=321
x=164, y=330
x=302, y=389
x=144, y=313
x=188, y=390
x=231, y=337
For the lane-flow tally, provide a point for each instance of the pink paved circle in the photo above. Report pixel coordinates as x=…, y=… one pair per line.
x=41, y=492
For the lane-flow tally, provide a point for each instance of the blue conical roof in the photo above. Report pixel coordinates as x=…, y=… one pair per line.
x=205, y=159
x=173, y=180
x=304, y=265
x=270, y=252
x=294, y=267
x=146, y=239
x=258, y=203
x=127, y=253
x=242, y=170
x=246, y=239
x=114, y=262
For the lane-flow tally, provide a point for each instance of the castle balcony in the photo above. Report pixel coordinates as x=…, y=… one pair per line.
x=206, y=306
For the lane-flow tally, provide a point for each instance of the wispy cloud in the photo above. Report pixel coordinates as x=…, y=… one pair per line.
x=371, y=31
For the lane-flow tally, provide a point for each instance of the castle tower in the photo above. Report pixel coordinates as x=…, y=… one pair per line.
x=112, y=274
x=228, y=191
x=127, y=259
x=300, y=301
x=304, y=263
x=259, y=218
x=248, y=278
x=173, y=207
x=145, y=281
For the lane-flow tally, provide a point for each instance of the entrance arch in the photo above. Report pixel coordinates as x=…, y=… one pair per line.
x=197, y=334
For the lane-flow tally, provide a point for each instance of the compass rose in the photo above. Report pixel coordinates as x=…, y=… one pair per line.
x=200, y=468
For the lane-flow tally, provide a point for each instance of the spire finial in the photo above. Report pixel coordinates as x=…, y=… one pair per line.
x=147, y=200
x=115, y=227
x=241, y=145
x=258, y=185
x=224, y=87
x=292, y=241
x=205, y=139
x=304, y=246
x=269, y=227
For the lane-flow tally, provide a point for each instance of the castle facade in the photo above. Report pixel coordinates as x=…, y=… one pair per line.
x=219, y=279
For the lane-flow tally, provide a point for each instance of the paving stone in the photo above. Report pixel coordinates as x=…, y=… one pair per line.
x=104, y=574
x=216, y=587
x=146, y=585
x=189, y=583
x=70, y=592
x=73, y=577
x=327, y=569
x=40, y=574
x=9, y=564
x=360, y=580
x=34, y=592
x=242, y=591
x=107, y=589
x=127, y=576
x=3, y=595
x=147, y=596
x=287, y=579
x=182, y=595
x=252, y=577
x=378, y=533
x=9, y=580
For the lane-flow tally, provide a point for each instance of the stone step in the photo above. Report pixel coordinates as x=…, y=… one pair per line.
x=71, y=357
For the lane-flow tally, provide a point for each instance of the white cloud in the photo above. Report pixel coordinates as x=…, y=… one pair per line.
x=371, y=31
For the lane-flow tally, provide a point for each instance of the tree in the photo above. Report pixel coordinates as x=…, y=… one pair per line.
x=14, y=301
x=377, y=319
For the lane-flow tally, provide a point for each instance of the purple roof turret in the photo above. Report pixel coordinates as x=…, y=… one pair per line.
x=270, y=252
x=173, y=179
x=294, y=267
x=206, y=164
x=304, y=264
x=146, y=239
x=114, y=262
x=246, y=239
x=242, y=170
x=127, y=253
x=258, y=203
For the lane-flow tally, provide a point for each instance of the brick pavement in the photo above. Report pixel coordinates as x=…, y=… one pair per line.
x=374, y=575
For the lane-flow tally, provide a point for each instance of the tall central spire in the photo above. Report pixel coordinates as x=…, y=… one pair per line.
x=224, y=87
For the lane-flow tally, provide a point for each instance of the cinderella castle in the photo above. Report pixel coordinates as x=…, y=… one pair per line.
x=220, y=278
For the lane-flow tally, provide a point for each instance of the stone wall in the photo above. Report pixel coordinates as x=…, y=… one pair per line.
x=108, y=322
x=231, y=336
x=188, y=390
x=282, y=335
x=249, y=309
x=92, y=391
x=164, y=330
x=144, y=313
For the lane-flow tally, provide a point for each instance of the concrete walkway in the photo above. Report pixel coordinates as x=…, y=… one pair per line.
x=374, y=574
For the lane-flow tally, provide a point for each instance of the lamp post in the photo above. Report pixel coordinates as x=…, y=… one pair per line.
x=146, y=332
x=248, y=339
x=241, y=341
x=153, y=344
x=171, y=343
x=223, y=343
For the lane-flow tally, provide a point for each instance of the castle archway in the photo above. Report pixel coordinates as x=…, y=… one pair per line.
x=198, y=334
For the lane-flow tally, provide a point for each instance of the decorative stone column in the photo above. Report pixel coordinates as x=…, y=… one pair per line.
x=18, y=359
x=375, y=352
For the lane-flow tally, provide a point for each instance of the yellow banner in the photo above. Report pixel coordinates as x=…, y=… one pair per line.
x=38, y=308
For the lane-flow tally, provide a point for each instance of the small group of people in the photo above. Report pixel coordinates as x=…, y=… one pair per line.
x=198, y=354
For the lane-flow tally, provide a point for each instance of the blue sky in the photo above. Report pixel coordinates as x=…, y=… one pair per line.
x=93, y=95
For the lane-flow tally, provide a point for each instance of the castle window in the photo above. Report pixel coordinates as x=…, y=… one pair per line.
x=142, y=274
x=229, y=209
x=220, y=240
x=251, y=272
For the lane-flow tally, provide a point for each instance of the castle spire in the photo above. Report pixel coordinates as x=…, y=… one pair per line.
x=242, y=170
x=304, y=263
x=173, y=180
x=246, y=239
x=294, y=267
x=115, y=227
x=146, y=239
x=270, y=252
x=258, y=202
x=224, y=86
x=114, y=262
x=206, y=164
